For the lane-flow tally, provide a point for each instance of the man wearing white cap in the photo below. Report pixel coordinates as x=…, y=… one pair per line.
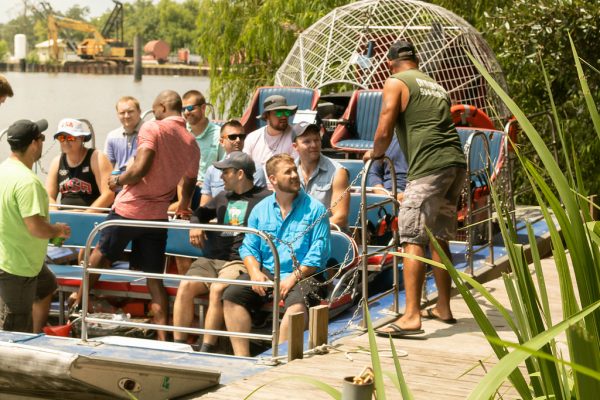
x=24, y=226
x=78, y=174
x=276, y=136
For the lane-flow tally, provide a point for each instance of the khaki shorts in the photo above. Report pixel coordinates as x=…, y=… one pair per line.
x=431, y=201
x=211, y=268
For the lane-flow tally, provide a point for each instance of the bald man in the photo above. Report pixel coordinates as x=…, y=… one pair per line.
x=166, y=154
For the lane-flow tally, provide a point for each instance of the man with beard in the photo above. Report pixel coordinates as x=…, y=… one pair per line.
x=321, y=177
x=205, y=132
x=232, y=139
x=230, y=207
x=276, y=136
x=284, y=214
x=24, y=228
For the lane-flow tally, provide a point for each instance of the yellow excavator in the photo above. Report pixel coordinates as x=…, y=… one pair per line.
x=97, y=47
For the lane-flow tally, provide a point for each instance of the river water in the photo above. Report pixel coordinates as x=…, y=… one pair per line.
x=57, y=96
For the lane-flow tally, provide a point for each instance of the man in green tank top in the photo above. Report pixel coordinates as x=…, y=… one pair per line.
x=419, y=110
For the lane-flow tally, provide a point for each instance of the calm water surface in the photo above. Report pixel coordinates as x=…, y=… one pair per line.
x=56, y=96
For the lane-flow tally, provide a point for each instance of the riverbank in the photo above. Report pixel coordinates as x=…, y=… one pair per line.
x=99, y=69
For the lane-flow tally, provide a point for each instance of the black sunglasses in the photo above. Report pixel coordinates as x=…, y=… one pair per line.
x=191, y=107
x=237, y=136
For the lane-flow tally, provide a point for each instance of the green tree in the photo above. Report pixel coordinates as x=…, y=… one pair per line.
x=522, y=31
x=245, y=41
x=177, y=22
x=4, y=51
x=141, y=17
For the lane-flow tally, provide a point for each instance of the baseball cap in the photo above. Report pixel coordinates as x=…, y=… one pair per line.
x=73, y=127
x=25, y=131
x=275, y=102
x=403, y=50
x=300, y=129
x=237, y=160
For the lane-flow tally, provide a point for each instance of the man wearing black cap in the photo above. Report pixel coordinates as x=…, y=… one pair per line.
x=419, y=108
x=276, y=136
x=230, y=207
x=24, y=226
x=320, y=176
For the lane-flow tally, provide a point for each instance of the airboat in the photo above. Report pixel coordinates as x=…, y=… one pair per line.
x=334, y=73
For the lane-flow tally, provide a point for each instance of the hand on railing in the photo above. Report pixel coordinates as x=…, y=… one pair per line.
x=197, y=238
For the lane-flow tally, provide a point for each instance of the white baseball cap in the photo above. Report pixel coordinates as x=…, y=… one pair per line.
x=73, y=127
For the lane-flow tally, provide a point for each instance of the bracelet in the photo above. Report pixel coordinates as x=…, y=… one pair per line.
x=298, y=274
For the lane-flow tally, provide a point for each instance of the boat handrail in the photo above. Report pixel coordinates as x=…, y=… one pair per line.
x=74, y=208
x=364, y=207
x=273, y=337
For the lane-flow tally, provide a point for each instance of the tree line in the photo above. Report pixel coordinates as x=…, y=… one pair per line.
x=168, y=20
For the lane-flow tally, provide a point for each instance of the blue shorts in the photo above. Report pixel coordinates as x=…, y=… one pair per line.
x=147, y=244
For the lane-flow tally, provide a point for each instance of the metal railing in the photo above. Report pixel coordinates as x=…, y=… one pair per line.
x=470, y=212
x=85, y=319
x=364, y=208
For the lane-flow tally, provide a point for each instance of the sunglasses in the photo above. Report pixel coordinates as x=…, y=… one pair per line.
x=283, y=113
x=191, y=107
x=65, y=138
x=237, y=136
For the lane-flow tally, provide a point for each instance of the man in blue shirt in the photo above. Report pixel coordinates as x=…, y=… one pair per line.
x=121, y=143
x=287, y=215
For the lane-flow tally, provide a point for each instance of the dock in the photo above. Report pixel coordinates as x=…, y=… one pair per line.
x=446, y=362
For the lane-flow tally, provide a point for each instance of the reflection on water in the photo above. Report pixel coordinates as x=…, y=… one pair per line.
x=56, y=96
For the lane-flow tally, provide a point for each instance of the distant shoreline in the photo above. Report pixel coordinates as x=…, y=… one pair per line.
x=97, y=69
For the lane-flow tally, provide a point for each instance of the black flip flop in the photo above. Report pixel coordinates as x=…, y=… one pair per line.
x=397, y=332
x=430, y=315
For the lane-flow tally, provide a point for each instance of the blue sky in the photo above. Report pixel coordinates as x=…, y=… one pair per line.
x=9, y=9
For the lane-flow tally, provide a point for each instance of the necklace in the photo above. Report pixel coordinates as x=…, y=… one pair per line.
x=273, y=146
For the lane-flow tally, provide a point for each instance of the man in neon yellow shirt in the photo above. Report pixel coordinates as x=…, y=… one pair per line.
x=24, y=226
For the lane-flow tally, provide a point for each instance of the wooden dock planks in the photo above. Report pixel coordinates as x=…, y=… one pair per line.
x=443, y=365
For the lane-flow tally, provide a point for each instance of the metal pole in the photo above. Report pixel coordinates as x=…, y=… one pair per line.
x=364, y=239
x=137, y=58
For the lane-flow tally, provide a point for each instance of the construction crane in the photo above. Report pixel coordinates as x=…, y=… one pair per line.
x=97, y=47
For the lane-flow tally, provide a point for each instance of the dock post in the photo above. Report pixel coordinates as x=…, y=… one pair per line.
x=137, y=58
x=296, y=336
x=318, y=320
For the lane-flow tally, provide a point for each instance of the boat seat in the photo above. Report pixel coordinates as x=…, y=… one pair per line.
x=362, y=116
x=304, y=98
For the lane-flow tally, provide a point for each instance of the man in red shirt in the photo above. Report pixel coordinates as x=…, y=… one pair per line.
x=166, y=153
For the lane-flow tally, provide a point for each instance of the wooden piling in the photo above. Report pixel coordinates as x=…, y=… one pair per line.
x=296, y=336
x=318, y=320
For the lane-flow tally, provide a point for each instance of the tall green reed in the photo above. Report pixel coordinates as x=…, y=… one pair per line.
x=564, y=206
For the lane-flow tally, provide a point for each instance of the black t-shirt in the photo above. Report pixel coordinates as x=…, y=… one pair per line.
x=77, y=185
x=229, y=208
